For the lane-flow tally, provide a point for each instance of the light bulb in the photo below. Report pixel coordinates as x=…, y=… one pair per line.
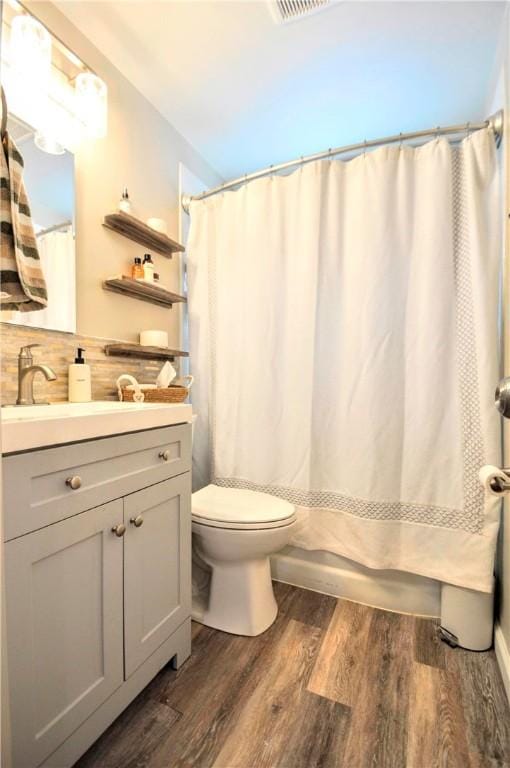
x=91, y=104
x=30, y=48
x=48, y=144
x=30, y=67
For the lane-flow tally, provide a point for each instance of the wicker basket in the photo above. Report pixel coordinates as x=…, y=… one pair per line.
x=167, y=395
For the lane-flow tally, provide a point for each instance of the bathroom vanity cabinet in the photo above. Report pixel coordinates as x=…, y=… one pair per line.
x=98, y=597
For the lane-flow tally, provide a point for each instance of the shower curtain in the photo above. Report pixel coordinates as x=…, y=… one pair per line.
x=344, y=340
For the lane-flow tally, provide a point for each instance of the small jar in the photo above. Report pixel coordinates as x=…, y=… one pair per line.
x=137, y=269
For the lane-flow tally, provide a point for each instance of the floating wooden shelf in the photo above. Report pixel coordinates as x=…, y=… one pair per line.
x=137, y=230
x=123, y=349
x=144, y=291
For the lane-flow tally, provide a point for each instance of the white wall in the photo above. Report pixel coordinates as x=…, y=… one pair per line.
x=504, y=550
x=142, y=151
x=500, y=99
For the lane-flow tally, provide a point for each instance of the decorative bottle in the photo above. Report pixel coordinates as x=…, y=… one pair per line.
x=148, y=268
x=124, y=202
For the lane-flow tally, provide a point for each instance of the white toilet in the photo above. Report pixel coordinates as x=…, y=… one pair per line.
x=234, y=532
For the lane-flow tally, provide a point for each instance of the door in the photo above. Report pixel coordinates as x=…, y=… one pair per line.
x=157, y=566
x=64, y=627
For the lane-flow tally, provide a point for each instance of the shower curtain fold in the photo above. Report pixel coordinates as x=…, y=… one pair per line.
x=343, y=330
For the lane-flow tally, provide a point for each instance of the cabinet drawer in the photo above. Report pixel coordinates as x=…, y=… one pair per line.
x=36, y=493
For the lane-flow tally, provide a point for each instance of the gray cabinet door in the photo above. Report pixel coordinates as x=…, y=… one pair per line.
x=157, y=563
x=64, y=628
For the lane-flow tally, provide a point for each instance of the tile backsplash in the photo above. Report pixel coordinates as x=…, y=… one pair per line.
x=58, y=351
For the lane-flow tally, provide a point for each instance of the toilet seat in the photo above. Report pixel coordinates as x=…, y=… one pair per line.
x=239, y=509
x=197, y=520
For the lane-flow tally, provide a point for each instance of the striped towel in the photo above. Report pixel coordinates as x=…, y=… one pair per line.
x=21, y=279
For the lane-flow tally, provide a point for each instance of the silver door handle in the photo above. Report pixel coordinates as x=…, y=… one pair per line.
x=74, y=482
x=119, y=530
x=502, y=397
x=136, y=521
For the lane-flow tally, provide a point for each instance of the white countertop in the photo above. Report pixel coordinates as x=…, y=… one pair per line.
x=43, y=426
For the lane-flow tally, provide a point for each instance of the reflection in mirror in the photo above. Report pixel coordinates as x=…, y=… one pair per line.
x=49, y=182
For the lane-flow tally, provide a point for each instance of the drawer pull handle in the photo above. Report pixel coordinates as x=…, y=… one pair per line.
x=136, y=521
x=165, y=455
x=119, y=530
x=74, y=482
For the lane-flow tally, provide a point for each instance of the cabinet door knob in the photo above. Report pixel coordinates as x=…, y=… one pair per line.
x=119, y=530
x=73, y=482
x=136, y=521
x=165, y=455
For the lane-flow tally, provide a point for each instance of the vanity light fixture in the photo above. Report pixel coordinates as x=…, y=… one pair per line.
x=91, y=104
x=48, y=143
x=30, y=65
x=48, y=86
x=30, y=49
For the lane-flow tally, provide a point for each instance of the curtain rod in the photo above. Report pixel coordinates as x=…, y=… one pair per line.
x=495, y=122
x=54, y=228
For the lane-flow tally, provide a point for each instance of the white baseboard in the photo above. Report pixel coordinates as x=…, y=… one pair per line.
x=391, y=590
x=503, y=657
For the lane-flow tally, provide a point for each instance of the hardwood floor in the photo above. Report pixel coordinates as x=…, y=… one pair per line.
x=331, y=684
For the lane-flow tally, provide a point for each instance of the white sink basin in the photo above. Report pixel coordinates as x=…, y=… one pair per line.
x=37, y=426
x=58, y=410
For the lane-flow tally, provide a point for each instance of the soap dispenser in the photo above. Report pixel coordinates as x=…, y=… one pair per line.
x=80, y=390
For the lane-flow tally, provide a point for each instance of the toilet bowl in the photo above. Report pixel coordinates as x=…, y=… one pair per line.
x=234, y=532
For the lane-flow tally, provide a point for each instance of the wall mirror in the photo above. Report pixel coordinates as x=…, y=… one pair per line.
x=50, y=185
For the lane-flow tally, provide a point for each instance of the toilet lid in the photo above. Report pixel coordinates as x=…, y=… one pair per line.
x=230, y=506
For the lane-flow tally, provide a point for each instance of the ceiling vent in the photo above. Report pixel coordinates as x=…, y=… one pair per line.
x=289, y=10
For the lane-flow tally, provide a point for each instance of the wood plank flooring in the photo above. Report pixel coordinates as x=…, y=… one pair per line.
x=331, y=684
